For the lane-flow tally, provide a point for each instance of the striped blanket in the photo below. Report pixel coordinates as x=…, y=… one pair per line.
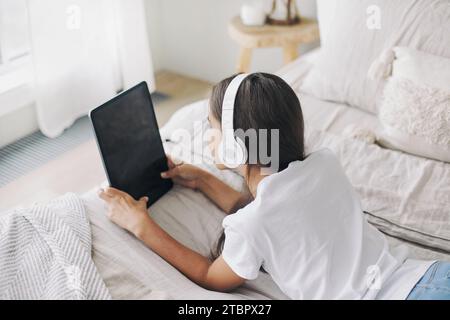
x=45, y=253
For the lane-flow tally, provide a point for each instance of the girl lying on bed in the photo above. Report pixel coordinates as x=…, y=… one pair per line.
x=303, y=224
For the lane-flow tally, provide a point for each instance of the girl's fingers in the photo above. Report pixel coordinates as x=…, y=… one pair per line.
x=103, y=195
x=166, y=175
x=170, y=163
x=106, y=196
x=170, y=174
x=104, y=192
x=115, y=192
x=120, y=193
x=144, y=200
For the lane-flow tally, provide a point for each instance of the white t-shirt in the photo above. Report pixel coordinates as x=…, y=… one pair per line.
x=306, y=228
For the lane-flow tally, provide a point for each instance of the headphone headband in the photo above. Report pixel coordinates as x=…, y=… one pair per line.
x=229, y=100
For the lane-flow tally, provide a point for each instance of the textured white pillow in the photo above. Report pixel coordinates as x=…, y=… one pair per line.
x=350, y=46
x=415, y=106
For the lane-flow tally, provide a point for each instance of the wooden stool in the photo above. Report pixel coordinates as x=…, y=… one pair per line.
x=287, y=37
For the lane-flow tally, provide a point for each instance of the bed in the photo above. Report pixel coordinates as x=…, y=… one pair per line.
x=407, y=198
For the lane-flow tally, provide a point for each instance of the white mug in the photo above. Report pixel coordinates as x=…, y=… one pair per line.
x=253, y=15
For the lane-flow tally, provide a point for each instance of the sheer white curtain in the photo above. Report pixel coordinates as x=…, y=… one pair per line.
x=84, y=51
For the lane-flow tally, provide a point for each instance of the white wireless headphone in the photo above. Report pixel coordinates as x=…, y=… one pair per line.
x=231, y=151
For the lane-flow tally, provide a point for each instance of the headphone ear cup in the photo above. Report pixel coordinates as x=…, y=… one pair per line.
x=232, y=153
x=241, y=151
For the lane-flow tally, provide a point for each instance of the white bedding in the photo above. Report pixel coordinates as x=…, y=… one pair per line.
x=390, y=183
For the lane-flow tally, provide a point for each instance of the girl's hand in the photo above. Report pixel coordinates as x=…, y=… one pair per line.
x=184, y=174
x=124, y=211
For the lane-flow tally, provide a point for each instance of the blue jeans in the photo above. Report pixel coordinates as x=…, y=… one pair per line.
x=434, y=285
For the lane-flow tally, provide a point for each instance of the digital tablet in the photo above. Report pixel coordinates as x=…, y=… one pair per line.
x=130, y=145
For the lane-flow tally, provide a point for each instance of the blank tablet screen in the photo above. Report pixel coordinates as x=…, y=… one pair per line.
x=128, y=138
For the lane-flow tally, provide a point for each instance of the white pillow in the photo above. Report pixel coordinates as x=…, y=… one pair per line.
x=350, y=46
x=415, y=106
x=186, y=118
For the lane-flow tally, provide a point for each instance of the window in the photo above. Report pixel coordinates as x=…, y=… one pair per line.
x=15, y=49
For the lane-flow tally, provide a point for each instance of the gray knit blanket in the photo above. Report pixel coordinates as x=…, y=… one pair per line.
x=45, y=253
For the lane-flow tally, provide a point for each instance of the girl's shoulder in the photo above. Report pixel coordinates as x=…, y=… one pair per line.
x=245, y=219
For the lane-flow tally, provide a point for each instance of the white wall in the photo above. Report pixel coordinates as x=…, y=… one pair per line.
x=191, y=37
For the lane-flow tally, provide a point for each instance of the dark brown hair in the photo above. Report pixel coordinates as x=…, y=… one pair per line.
x=264, y=101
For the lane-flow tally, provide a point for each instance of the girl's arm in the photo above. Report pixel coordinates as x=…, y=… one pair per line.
x=225, y=197
x=132, y=215
x=216, y=275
